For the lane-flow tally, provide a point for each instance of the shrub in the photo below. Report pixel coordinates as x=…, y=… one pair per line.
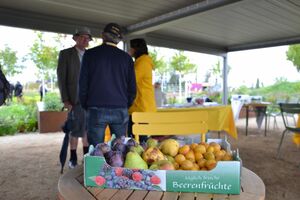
x=18, y=118
x=52, y=102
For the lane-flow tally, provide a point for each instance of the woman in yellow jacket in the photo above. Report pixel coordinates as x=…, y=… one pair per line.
x=143, y=66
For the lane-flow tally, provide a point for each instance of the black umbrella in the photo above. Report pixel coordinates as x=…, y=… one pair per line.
x=64, y=148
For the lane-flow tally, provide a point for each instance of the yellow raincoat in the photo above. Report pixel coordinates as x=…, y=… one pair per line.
x=145, y=99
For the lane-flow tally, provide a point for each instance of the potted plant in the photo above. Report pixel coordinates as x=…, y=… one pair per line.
x=51, y=117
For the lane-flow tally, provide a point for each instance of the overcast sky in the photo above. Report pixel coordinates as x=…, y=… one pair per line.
x=246, y=66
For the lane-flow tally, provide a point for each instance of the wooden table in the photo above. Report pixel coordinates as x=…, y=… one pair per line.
x=261, y=107
x=70, y=187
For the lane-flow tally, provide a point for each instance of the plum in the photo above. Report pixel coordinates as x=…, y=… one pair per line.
x=97, y=151
x=118, y=140
x=120, y=147
x=104, y=147
x=116, y=159
x=107, y=155
x=131, y=142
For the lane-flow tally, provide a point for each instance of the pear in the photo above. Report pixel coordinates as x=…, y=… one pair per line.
x=152, y=155
x=154, y=166
x=170, y=158
x=151, y=142
x=169, y=147
x=165, y=165
x=138, y=148
x=162, y=165
x=134, y=161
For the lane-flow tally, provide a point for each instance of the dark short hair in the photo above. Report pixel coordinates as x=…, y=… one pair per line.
x=140, y=47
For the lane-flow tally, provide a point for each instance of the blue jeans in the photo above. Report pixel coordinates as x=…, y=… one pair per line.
x=99, y=118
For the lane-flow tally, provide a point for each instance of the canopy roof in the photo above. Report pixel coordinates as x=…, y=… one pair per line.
x=207, y=26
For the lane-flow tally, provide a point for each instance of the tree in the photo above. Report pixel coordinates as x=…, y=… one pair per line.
x=45, y=57
x=293, y=55
x=159, y=64
x=8, y=60
x=257, y=83
x=181, y=64
x=217, y=71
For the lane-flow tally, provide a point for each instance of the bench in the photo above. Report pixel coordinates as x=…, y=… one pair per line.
x=170, y=123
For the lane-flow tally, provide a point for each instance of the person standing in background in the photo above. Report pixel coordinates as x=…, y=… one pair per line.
x=42, y=90
x=160, y=96
x=107, y=86
x=143, y=66
x=68, y=70
x=19, y=91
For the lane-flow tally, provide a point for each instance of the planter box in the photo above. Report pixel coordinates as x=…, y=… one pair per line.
x=51, y=121
x=223, y=179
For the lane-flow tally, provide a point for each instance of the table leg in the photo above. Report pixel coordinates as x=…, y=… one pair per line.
x=247, y=115
x=266, y=119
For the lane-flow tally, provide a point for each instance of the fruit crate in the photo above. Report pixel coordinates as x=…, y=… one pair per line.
x=223, y=179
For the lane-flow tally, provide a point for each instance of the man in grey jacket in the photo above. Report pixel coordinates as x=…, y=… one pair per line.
x=68, y=70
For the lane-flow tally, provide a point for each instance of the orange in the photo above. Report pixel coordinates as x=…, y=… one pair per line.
x=209, y=156
x=179, y=158
x=184, y=149
x=193, y=145
x=187, y=165
x=210, y=149
x=210, y=164
x=190, y=156
x=195, y=167
x=219, y=155
x=227, y=157
x=205, y=144
x=200, y=148
x=216, y=146
x=198, y=156
x=203, y=169
x=176, y=165
x=201, y=162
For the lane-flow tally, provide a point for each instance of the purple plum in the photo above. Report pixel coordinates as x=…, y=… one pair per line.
x=120, y=147
x=117, y=159
x=118, y=140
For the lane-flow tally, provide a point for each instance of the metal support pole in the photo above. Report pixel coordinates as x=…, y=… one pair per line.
x=225, y=87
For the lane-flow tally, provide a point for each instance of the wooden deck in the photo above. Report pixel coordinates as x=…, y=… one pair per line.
x=70, y=187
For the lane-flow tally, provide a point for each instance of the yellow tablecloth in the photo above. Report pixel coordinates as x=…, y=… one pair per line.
x=296, y=136
x=220, y=118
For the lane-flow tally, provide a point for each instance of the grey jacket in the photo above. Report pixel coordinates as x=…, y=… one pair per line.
x=68, y=70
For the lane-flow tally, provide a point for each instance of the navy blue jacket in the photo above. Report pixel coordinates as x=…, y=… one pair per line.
x=107, y=78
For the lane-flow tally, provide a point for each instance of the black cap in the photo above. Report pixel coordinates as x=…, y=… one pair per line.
x=114, y=29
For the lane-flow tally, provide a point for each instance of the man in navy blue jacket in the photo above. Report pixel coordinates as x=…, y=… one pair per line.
x=107, y=86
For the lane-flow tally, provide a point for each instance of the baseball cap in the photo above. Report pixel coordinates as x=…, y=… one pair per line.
x=82, y=31
x=114, y=29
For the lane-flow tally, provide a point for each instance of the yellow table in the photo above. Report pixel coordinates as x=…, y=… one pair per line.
x=220, y=118
x=296, y=136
